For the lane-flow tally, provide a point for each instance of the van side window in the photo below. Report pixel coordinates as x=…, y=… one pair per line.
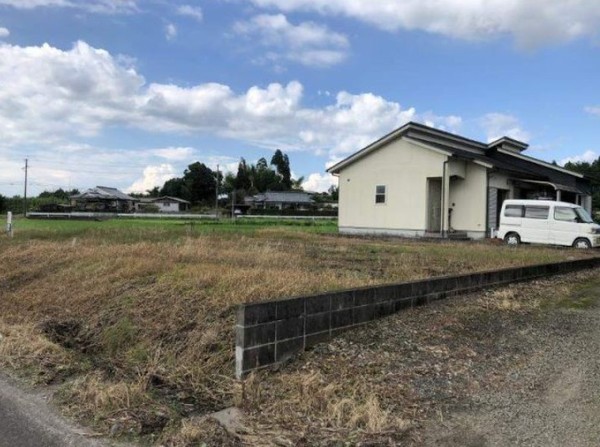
x=537, y=212
x=513, y=211
x=564, y=213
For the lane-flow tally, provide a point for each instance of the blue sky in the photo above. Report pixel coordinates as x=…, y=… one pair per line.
x=128, y=92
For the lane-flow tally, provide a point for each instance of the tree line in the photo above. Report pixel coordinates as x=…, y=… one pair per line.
x=592, y=171
x=199, y=184
x=15, y=203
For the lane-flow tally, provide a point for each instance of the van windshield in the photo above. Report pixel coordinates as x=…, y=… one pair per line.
x=584, y=215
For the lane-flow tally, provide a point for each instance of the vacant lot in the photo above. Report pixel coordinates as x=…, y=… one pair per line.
x=135, y=319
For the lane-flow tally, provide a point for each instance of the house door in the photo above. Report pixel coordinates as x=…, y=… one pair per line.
x=502, y=196
x=434, y=204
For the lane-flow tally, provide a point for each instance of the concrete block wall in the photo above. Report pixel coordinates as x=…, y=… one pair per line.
x=271, y=332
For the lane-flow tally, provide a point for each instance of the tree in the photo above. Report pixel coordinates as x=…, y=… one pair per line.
x=59, y=195
x=282, y=164
x=334, y=192
x=242, y=179
x=264, y=178
x=2, y=204
x=154, y=192
x=592, y=171
x=175, y=187
x=201, y=182
x=297, y=184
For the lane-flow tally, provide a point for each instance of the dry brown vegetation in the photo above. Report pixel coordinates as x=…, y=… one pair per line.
x=380, y=384
x=141, y=332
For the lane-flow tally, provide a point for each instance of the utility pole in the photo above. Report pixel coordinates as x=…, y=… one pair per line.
x=217, y=194
x=25, y=192
x=233, y=205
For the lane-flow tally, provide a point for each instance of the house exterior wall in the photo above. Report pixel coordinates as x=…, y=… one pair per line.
x=167, y=207
x=468, y=200
x=403, y=168
x=501, y=181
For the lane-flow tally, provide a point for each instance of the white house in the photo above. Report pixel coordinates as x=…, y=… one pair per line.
x=165, y=204
x=281, y=200
x=421, y=181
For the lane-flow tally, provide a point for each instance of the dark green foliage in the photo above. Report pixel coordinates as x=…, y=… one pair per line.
x=242, y=179
x=201, y=182
x=198, y=185
x=334, y=193
x=175, y=187
x=60, y=195
x=282, y=164
x=592, y=171
x=154, y=192
x=2, y=204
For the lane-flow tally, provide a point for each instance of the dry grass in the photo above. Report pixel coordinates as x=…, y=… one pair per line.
x=24, y=348
x=379, y=384
x=154, y=320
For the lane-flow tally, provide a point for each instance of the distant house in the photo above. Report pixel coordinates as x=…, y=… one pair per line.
x=165, y=204
x=280, y=200
x=421, y=181
x=103, y=199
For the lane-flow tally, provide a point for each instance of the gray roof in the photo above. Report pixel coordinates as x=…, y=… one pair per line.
x=503, y=153
x=103, y=192
x=283, y=197
x=168, y=199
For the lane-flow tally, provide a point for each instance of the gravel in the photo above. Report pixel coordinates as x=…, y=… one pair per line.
x=551, y=400
x=511, y=366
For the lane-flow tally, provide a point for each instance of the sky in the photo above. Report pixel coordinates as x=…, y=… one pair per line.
x=127, y=93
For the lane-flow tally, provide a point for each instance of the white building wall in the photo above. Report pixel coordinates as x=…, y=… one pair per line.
x=501, y=181
x=167, y=207
x=403, y=168
x=468, y=199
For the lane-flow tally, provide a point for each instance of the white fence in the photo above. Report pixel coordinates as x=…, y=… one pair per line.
x=84, y=215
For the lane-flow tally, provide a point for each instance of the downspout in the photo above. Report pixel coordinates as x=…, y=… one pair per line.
x=488, y=229
x=443, y=201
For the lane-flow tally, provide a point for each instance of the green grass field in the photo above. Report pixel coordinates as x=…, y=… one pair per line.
x=138, y=230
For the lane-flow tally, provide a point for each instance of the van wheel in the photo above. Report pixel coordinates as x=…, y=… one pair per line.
x=582, y=243
x=512, y=239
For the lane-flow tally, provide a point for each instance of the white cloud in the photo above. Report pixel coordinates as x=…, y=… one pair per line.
x=170, y=31
x=319, y=182
x=587, y=156
x=4, y=32
x=593, y=110
x=46, y=92
x=307, y=43
x=94, y=6
x=49, y=95
x=498, y=125
x=153, y=176
x=195, y=12
x=530, y=22
x=175, y=153
x=450, y=123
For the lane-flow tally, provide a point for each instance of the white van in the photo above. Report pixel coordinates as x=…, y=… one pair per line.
x=547, y=222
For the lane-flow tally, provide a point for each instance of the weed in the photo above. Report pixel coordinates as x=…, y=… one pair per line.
x=155, y=301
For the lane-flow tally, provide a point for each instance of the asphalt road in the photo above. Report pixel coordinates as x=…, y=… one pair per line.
x=26, y=420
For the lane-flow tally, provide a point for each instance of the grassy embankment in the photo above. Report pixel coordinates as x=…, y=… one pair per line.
x=136, y=318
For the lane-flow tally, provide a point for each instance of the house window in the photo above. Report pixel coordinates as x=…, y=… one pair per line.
x=380, y=194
